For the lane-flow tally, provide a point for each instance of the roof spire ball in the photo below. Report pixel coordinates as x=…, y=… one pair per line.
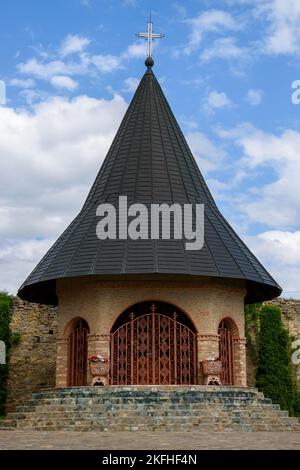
x=150, y=36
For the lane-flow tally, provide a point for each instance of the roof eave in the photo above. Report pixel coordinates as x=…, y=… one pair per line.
x=44, y=292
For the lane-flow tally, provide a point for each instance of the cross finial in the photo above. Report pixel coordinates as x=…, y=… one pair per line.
x=150, y=36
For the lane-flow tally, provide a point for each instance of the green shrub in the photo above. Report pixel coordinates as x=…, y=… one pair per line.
x=252, y=329
x=275, y=377
x=5, y=335
x=15, y=338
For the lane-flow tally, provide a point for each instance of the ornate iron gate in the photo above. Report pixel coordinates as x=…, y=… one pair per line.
x=226, y=348
x=153, y=349
x=77, y=355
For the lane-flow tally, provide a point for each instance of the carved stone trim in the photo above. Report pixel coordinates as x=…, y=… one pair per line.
x=95, y=337
x=241, y=341
x=209, y=338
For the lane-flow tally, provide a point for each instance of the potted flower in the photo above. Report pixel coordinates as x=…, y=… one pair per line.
x=212, y=368
x=99, y=369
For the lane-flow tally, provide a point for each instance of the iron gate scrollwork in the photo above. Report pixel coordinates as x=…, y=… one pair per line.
x=77, y=354
x=226, y=354
x=153, y=349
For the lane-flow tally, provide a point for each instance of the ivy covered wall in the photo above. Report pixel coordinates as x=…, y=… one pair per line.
x=6, y=336
x=269, y=349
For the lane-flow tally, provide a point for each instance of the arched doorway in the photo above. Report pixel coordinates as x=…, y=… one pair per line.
x=77, y=352
x=227, y=332
x=153, y=343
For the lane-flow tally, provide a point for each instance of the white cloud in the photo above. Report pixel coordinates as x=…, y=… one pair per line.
x=82, y=61
x=73, y=44
x=283, y=33
x=224, y=48
x=61, y=81
x=211, y=21
x=86, y=65
x=106, y=63
x=57, y=150
x=17, y=260
x=43, y=70
x=280, y=29
x=280, y=251
x=33, y=95
x=254, y=97
x=217, y=100
x=22, y=83
x=281, y=25
x=274, y=203
x=131, y=84
x=136, y=50
x=208, y=155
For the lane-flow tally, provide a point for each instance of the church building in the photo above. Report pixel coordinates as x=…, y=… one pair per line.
x=153, y=308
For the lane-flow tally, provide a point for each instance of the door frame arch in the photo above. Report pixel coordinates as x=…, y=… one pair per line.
x=228, y=332
x=77, y=332
x=155, y=347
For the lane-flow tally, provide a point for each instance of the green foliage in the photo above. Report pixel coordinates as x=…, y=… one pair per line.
x=252, y=329
x=5, y=335
x=275, y=376
x=15, y=338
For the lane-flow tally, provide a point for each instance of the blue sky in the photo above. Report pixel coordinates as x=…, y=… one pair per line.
x=70, y=69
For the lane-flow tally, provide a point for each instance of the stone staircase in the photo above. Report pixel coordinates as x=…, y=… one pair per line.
x=150, y=408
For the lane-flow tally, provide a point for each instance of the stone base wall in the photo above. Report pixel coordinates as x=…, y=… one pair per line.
x=32, y=362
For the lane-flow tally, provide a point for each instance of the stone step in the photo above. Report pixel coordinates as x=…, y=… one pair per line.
x=104, y=392
x=123, y=413
x=132, y=391
x=113, y=410
x=137, y=400
x=71, y=418
x=48, y=409
x=157, y=424
x=151, y=408
x=153, y=398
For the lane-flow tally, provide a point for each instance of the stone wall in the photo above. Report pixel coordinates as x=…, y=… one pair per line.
x=33, y=360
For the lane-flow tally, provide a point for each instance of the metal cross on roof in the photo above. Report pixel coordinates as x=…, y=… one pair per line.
x=150, y=36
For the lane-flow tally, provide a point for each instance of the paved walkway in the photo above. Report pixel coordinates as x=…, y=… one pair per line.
x=148, y=440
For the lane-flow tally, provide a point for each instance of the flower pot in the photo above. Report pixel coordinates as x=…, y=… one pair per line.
x=99, y=371
x=212, y=372
x=212, y=367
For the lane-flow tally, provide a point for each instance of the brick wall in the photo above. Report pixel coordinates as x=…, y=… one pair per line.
x=100, y=303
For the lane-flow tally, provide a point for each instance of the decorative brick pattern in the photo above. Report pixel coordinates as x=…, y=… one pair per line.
x=206, y=303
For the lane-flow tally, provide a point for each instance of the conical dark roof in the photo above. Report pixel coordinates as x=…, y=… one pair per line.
x=149, y=161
